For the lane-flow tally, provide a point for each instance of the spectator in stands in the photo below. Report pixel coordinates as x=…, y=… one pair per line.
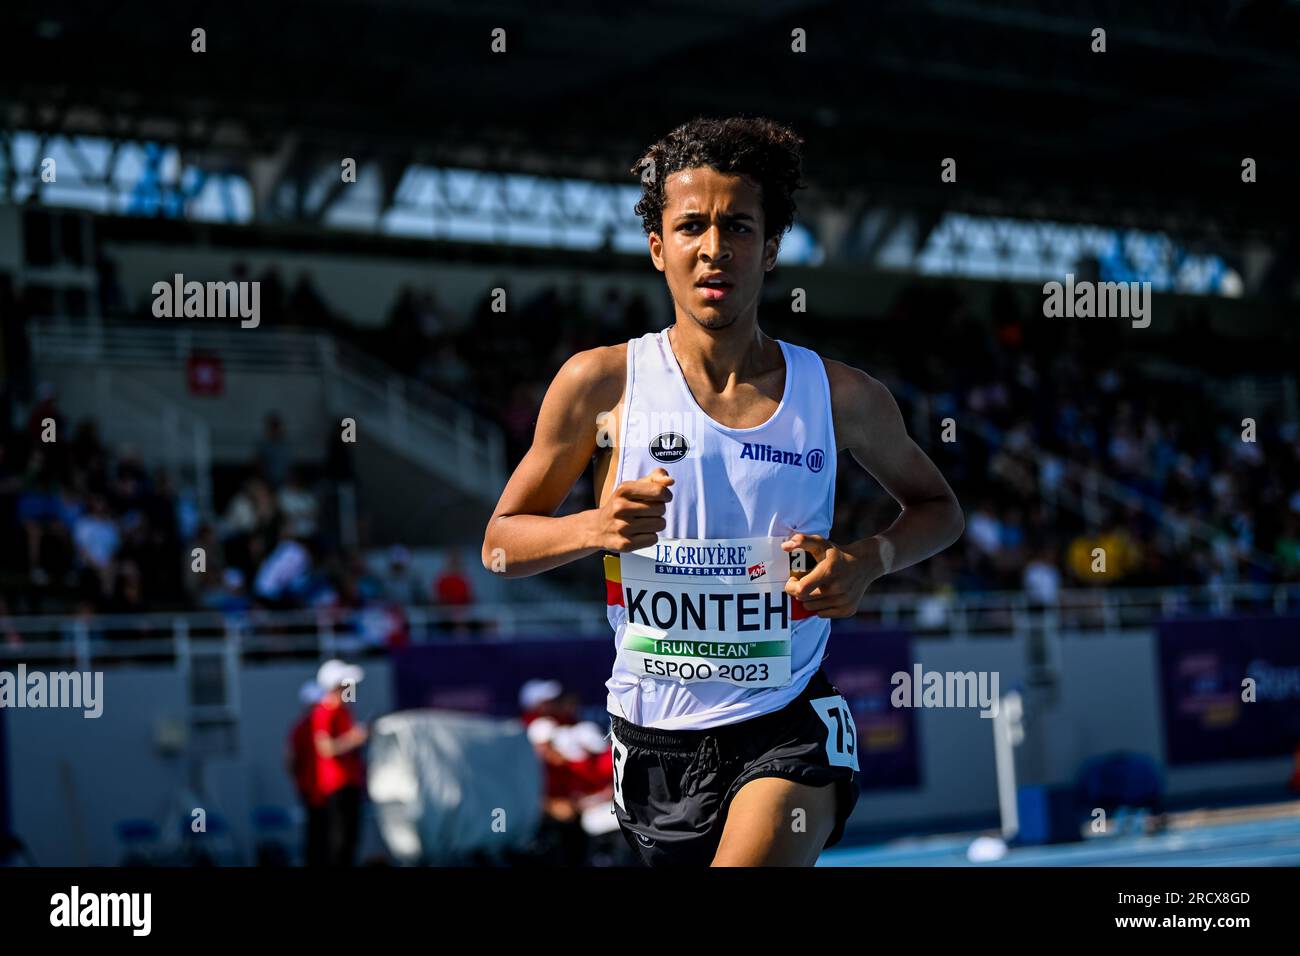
x=273, y=453
x=1105, y=557
x=129, y=486
x=98, y=539
x=160, y=529
x=128, y=598
x=247, y=523
x=230, y=598
x=451, y=590
x=451, y=587
x=37, y=504
x=340, y=773
x=298, y=506
x=983, y=530
x=199, y=584
x=1042, y=579
x=934, y=609
x=401, y=585
x=251, y=510
x=352, y=597
x=283, y=578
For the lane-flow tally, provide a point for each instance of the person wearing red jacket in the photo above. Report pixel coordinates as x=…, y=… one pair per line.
x=339, y=773
x=300, y=759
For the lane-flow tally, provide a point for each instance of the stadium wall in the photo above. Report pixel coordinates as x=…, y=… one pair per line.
x=74, y=779
x=69, y=788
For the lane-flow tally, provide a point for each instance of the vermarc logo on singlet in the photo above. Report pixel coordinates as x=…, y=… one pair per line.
x=669, y=447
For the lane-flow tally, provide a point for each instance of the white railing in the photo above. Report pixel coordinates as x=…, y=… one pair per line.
x=127, y=410
x=169, y=346
x=317, y=632
x=309, y=632
x=464, y=449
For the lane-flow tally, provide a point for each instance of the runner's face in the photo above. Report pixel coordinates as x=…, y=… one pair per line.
x=713, y=222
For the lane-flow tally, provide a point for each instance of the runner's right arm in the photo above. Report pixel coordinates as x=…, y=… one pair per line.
x=524, y=536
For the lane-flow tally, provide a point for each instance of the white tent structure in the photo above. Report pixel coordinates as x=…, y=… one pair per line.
x=448, y=786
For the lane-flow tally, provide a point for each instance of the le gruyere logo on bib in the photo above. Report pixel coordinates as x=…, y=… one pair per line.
x=669, y=447
x=728, y=560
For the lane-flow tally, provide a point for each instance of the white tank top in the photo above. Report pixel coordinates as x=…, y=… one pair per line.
x=710, y=641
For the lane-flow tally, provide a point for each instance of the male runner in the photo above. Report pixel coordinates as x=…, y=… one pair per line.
x=715, y=478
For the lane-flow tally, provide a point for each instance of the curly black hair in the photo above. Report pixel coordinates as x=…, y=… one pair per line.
x=762, y=149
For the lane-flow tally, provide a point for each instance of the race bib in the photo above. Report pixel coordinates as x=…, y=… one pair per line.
x=708, y=610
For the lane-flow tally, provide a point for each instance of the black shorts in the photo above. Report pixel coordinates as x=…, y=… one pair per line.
x=672, y=788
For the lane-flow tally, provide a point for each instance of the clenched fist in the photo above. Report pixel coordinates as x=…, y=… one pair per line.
x=633, y=515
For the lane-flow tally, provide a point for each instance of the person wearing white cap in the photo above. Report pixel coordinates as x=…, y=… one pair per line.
x=340, y=774
x=536, y=698
x=575, y=780
x=309, y=693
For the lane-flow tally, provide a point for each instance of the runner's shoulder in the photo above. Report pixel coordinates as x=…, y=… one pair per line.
x=594, y=376
x=851, y=386
x=859, y=401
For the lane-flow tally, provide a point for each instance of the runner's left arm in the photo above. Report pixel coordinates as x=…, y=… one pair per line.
x=870, y=427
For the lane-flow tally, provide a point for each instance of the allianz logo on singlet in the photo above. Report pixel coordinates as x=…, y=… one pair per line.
x=815, y=460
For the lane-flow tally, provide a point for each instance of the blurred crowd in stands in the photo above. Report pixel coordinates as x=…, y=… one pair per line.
x=499, y=363
x=1068, y=442
x=85, y=529
x=1064, y=439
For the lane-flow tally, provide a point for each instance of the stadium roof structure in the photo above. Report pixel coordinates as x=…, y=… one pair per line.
x=1151, y=133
